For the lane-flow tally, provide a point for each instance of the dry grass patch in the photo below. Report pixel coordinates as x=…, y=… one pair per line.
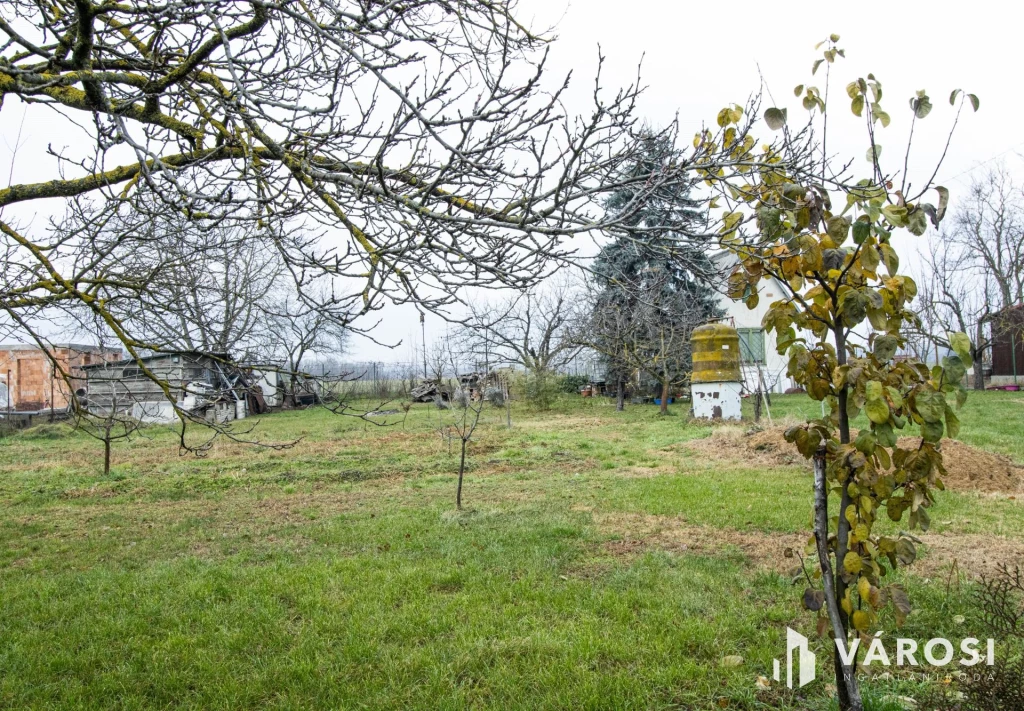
x=971, y=554
x=968, y=468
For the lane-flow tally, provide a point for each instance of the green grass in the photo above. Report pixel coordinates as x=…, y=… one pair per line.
x=337, y=574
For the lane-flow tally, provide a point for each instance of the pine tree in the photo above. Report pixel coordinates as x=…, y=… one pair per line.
x=653, y=278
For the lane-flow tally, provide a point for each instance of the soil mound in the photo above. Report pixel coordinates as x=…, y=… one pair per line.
x=968, y=468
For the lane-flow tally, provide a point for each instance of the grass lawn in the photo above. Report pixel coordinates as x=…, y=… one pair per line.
x=599, y=563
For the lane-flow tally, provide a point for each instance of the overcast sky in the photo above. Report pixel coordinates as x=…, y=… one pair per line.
x=697, y=58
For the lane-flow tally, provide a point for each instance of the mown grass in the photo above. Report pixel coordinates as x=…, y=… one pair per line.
x=337, y=574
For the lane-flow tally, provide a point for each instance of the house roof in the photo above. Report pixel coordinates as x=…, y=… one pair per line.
x=157, y=356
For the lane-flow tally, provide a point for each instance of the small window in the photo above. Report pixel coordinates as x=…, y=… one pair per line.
x=751, y=345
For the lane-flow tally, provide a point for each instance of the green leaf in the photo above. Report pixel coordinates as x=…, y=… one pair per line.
x=873, y=390
x=931, y=431
x=857, y=105
x=853, y=89
x=890, y=259
x=885, y=348
x=917, y=222
x=775, y=118
x=838, y=228
x=814, y=69
x=974, y=101
x=943, y=202
x=953, y=95
x=865, y=442
x=885, y=434
x=798, y=90
x=952, y=423
x=873, y=153
x=955, y=369
x=861, y=230
x=877, y=411
x=930, y=405
x=960, y=343
x=921, y=105
x=895, y=214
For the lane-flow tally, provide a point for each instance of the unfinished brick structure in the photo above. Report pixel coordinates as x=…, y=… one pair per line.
x=29, y=382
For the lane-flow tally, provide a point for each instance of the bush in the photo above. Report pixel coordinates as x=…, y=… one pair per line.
x=572, y=383
x=539, y=389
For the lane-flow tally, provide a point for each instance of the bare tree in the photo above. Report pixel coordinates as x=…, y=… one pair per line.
x=300, y=327
x=643, y=328
x=421, y=145
x=213, y=287
x=974, y=268
x=111, y=421
x=530, y=330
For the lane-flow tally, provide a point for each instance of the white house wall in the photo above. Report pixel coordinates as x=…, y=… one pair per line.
x=774, y=368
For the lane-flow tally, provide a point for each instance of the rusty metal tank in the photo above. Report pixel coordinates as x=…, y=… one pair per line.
x=716, y=354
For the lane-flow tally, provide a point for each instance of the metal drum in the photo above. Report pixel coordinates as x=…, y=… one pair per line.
x=716, y=354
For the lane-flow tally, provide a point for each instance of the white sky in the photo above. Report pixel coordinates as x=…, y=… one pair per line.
x=698, y=58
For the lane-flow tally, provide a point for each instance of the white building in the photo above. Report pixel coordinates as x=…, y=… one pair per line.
x=758, y=355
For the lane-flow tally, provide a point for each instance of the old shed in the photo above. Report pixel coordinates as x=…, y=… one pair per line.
x=205, y=385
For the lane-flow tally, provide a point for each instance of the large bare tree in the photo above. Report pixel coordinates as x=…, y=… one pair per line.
x=213, y=289
x=530, y=330
x=974, y=268
x=411, y=149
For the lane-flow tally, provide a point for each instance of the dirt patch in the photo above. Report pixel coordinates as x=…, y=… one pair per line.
x=973, y=555
x=641, y=533
x=968, y=468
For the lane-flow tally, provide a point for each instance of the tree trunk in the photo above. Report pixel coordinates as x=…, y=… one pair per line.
x=106, y=456
x=462, y=470
x=849, y=694
x=620, y=402
x=977, y=353
x=664, y=397
x=846, y=679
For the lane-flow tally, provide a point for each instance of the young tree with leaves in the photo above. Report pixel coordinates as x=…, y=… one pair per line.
x=842, y=278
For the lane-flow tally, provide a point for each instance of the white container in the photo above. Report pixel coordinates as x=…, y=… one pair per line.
x=716, y=401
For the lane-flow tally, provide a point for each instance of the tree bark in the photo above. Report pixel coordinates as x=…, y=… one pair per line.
x=846, y=680
x=620, y=402
x=462, y=470
x=664, y=397
x=106, y=455
x=977, y=354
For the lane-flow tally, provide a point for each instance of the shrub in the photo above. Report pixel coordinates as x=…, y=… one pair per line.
x=572, y=383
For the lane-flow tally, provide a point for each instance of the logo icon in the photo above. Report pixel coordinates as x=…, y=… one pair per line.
x=805, y=662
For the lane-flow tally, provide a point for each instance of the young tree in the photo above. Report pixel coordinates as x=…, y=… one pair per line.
x=112, y=420
x=841, y=272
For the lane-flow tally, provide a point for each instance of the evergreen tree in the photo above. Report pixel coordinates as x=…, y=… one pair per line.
x=653, y=279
